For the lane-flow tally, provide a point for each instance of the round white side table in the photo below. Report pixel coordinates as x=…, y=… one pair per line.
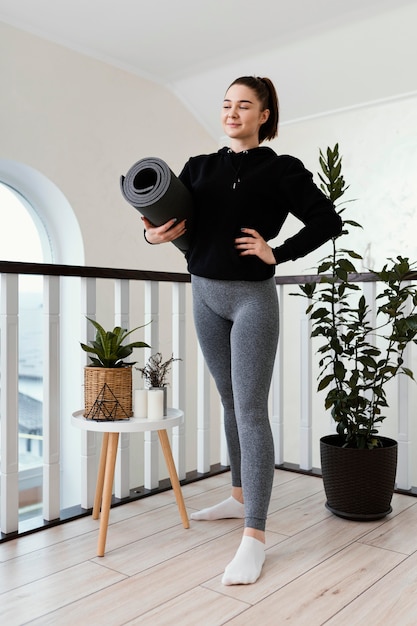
x=105, y=476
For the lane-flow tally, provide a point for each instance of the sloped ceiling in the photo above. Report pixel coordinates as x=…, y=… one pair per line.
x=196, y=48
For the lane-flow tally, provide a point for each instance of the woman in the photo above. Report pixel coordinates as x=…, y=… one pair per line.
x=242, y=195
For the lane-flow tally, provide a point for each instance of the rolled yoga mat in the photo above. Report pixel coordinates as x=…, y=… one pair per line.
x=154, y=190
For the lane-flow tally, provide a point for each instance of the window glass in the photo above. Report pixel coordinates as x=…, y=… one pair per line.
x=20, y=241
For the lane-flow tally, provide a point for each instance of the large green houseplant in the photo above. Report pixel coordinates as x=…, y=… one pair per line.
x=358, y=356
x=108, y=378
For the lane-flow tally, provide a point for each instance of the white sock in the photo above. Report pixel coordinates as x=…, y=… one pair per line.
x=247, y=564
x=229, y=508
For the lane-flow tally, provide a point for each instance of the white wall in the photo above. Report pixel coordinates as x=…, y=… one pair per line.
x=82, y=124
x=379, y=147
x=368, y=58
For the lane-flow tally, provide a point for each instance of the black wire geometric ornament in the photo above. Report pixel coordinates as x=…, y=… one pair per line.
x=105, y=407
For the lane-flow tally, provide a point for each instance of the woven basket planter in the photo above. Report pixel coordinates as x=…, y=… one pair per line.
x=108, y=393
x=359, y=484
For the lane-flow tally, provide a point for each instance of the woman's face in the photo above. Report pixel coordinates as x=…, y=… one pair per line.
x=242, y=115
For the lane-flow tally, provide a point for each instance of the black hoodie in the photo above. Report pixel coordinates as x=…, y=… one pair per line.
x=253, y=189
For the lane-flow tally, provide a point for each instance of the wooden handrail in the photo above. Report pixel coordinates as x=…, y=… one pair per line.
x=85, y=271
x=51, y=269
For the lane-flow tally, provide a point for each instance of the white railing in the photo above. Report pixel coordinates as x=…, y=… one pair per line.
x=163, y=303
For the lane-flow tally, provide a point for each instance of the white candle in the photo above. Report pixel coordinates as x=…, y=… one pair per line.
x=155, y=404
x=141, y=403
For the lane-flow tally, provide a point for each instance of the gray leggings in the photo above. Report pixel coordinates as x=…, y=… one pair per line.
x=237, y=324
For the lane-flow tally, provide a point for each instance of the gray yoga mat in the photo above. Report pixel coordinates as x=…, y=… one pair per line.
x=154, y=190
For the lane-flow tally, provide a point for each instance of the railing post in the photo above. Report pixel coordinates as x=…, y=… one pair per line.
x=121, y=318
x=277, y=422
x=51, y=399
x=151, y=445
x=9, y=485
x=224, y=452
x=178, y=376
x=203, y=415
x=88, y=439
x=306, y=420
x=403, y=437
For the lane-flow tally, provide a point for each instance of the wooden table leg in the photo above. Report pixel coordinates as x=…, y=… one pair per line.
x=172, y=470
x=107, y=491
x=100, y=476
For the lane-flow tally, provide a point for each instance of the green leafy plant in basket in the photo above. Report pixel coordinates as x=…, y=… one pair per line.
x=108, y=347
x=108, y=378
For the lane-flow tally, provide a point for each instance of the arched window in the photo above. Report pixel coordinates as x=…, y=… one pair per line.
x=21, y=240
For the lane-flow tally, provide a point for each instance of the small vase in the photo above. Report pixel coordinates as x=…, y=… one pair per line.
x=165, y=390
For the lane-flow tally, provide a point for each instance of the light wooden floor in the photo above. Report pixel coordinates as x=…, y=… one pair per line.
x=319, y=569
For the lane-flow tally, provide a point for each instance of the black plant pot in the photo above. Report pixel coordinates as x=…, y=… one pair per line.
x=358, y=483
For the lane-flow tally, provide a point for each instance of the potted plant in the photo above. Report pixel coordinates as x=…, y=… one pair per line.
x=108, y=378
x=155, y=373
x=358, y=358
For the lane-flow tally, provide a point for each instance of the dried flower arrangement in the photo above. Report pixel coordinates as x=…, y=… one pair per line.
x=156, y=371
